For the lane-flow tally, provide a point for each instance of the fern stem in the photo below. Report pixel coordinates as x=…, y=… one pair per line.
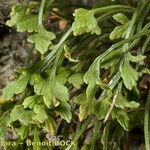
x=80, y=130
x=40, y=18
x=135, y=17
x=106, y=130
x=146, y=123
x=113, y=7
x=111, y=108
x=59, y=50
x=109, y=14
x=95, y=133
x=83, y=127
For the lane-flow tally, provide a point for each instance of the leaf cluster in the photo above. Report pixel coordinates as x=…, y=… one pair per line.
x=83, y=81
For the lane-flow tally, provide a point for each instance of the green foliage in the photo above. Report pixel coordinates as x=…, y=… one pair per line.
x=101, y=108
x=30, y=101
x=126, y=70
x=64, y=96
x=64, y=110
x=23, y=131
x=42, y=40
x=23, y=19
x=62, y=75
x=85, y=108
x=40, y=113
x=91, y=78
x=85, y=22
x=16, y=87
x=120, y=31
x=24, y=116
x=121, y=18
x=76, y=80
x=121, y=117
x=52, y=91
x=123, y=103
x=50, y=125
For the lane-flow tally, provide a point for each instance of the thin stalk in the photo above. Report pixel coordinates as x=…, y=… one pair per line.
x=135, y=17
x=63, y=39
x=142, y=18
x=40, y=17
x=80, y=130
x=131, y=25
x=113, y=7
x=117, y=45
x=144, y=33
x=140, y=23
x=106, y=130
x=57, y=61
x=59, y=52
x=114, y=81
x=110, y=109
x=146, y=123
x=136, y=41
x=95, y=134
x=146, y=43
x=83, y=128
x=109, y=14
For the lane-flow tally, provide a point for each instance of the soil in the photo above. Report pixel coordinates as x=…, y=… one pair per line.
x=12, y=55
x=12, y=46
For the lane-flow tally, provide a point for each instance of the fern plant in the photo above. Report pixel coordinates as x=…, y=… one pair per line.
x=84, y=85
